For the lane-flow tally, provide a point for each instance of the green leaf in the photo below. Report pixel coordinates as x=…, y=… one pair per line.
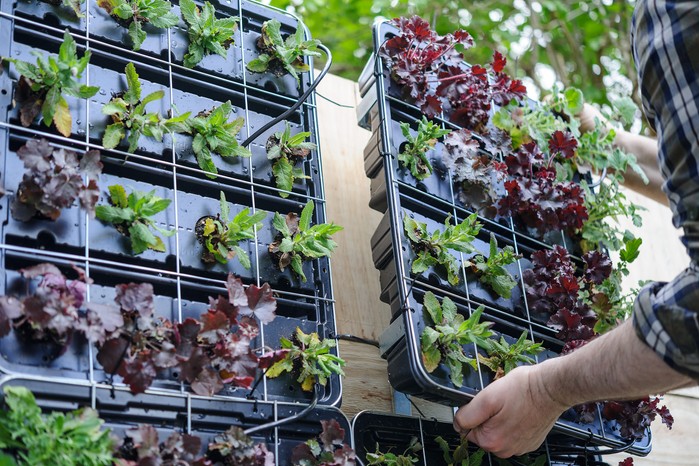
x=133, y=94
x=142, y=238
x=189, y=12
x=115, y=215
x=113, y=134
x=306, y=214
x=433, y=308
x=279, y=222
x=259, y=64
x=431, y=357
x=283, y=173
x=631, y=250
x=574, y=100
x=297, y=266
x=225, y=212
x=154, y=206
x=117, y=195
x=62, y=118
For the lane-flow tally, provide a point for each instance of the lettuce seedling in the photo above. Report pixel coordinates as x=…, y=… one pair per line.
x=446, y=332
x=391, y=459
x=461, y=455
x=414, y=156
x=491, y=271
x=328, y=449
x=234, y=447
x=141, y=445
x=54, y=180
x=214, y=134
x=42, y=87
x=53, y=311
x=220, y=236
x=128, y=112
x=307, y=357
x=286, y=151
x=433, y=248
x=131, y=215
x=75, y=437
x=503, y=357
x=134, y=14
x=298, y=241
x=206, y=33
x=281, y=56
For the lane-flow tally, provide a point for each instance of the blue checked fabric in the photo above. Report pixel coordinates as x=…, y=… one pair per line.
x=665, y=35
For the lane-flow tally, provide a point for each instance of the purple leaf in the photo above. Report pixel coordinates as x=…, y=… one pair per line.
x=136, y=297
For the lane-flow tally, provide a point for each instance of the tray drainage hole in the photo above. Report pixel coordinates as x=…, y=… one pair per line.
x=3, y=92
x=292, y=388
x=175, y=374
x=401, y=148
x=284, y=282
x=46, y=239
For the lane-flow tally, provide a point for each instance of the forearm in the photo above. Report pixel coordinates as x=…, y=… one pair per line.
x=615, y=366
x=646, y=151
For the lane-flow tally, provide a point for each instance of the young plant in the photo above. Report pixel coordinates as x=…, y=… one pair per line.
x=135, y=14
x=220, y=236
x=461, y=455
x=62, y=439
x=503, y=357
x=54, y=180
x=414, y=156
x=433, y=248
x=234, y=447
x=298, y=241
x=74, y=5
x=281, y=56
x=446, y=332
x=207, y=34
x=214, y=134
x=128, y=112
x=141, y=445
x=307, y=357
x=42, y=87
x=391, y=459
x=216, y=350
x=491, y=271
x=53, y=311
x=286, y=151
x=131, y=215
x=479, y=178
x=328, y=449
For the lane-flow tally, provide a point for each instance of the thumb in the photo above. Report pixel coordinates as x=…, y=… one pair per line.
x=475, y=413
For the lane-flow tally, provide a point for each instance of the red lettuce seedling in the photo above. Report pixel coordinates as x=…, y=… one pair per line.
x=432, y=72
x=536, y=199
x=328, y=450
x=235, y=448
x=53, y=311
x=54, y=180
x=209, y=352
x=141, y=446
x=479, y=178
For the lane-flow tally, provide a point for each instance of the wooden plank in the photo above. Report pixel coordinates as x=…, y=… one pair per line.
x=355, y=280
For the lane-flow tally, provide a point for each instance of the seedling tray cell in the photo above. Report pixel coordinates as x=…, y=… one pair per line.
x=184, y=414
x=393, y=433
x=42, y=12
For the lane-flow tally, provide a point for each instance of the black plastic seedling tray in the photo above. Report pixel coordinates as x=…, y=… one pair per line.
x=393, y=433
x=169, y=167
x=396, y=194
x=184, y=414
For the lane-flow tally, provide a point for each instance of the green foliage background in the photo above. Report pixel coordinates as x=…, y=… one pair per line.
x=585, y=44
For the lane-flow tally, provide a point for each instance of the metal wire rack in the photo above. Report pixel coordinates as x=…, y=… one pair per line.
x=168, y=167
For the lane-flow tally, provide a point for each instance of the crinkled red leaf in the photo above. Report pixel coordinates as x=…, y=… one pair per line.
x=136, y=297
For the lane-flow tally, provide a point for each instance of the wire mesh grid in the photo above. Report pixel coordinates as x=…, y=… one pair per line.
x=28, y=26
x=405, y=197
x=183, y=413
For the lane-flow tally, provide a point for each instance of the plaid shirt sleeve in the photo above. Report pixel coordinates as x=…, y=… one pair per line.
x=666, y=50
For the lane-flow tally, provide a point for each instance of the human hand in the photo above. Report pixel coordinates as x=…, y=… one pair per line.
x=512, y=415
x=587, y=117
